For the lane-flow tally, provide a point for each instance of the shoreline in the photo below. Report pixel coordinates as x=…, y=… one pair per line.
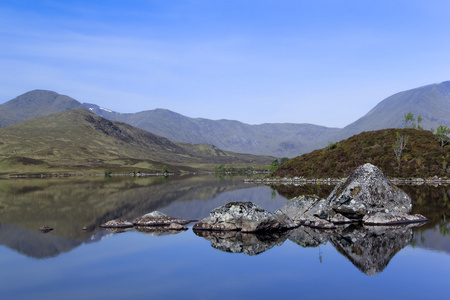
x=333, y=181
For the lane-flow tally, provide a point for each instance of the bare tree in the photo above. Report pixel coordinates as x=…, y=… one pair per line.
x=399, y=146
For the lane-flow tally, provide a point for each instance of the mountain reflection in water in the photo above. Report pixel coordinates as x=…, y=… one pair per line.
x=69, y=204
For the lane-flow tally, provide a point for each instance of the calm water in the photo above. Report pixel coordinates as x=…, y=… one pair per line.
x=71, y=263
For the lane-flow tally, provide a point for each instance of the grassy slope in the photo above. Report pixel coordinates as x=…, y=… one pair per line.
x=422, y=157
x=79, y=140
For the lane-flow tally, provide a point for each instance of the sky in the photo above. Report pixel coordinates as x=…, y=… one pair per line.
x=324, y=62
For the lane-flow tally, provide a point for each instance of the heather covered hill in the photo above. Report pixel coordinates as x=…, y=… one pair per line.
x=422, y=157
x=78, y=140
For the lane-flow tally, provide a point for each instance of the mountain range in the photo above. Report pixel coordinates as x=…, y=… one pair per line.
x=78, y=140
x=431, y=102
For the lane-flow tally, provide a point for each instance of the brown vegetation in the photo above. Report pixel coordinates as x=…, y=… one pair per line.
x=422, y=156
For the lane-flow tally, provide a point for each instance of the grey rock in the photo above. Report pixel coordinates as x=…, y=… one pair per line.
x=367, y=191
x=242, y=216
x=392, y=219
x=337, y=218
x=157, y=218
x=315, y=222
x=117, y=223
x=302, y=208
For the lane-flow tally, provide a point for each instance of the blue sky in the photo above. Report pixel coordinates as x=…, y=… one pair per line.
x=325, y=62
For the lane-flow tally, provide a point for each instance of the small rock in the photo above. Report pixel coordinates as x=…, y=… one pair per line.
x=45, y=228
x=117, y=223
x=392, y=219
x=157, y=218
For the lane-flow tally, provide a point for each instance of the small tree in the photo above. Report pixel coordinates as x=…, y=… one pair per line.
x=443, y=134
x=408, y=119
x=165, y=170
x=274, y=165
x=399, y=146
x=419, y=120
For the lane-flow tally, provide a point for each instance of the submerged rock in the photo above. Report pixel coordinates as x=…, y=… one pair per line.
x=157, y=218
x=239, y=216
x=368, y=191
x=117, y=223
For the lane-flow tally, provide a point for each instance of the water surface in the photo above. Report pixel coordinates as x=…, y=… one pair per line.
x=72, y=263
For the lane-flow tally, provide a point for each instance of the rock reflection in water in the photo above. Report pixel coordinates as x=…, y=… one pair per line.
x=240, y=242
x=369, y=248
x=309, y=237
x=158, y=230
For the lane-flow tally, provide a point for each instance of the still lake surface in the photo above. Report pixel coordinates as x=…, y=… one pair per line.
x=72, y=263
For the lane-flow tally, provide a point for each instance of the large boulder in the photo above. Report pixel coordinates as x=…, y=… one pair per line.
x=240, y=216
x=368, y=191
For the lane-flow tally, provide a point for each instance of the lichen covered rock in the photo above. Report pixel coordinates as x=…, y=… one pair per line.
x=117, y=223
x=367, y=191
x=240, y=216
x=157, y=218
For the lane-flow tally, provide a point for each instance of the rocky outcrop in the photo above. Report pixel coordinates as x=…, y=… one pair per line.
x=157, y=218
x=368, y=191
x=239, y=216
x=367, y=196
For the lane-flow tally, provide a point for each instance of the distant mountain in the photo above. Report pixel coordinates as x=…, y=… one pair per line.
x=35, y=104
x=280, y=140
x=79, y=139
x=432, y=102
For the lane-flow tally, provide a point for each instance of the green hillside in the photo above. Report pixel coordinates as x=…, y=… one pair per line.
x=79, y=141
x=422, y=157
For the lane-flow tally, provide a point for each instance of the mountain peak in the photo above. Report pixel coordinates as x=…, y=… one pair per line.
x=34, y=104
